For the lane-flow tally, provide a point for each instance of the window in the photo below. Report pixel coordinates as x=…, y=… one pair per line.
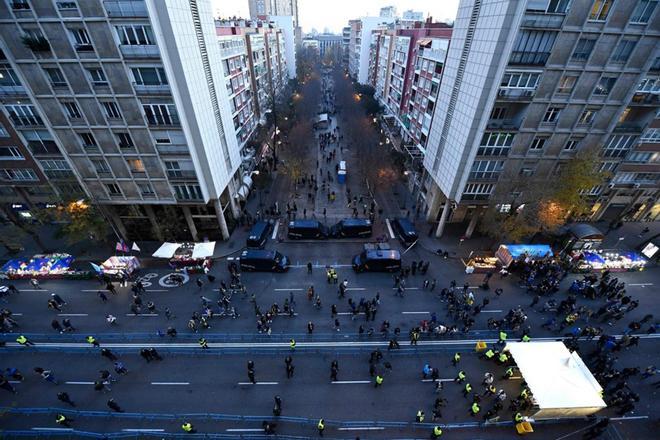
x=521, y=80
x=81, y=40
x=135, y=165
x=498, y=113
x=24, y=115
x=643, y=11
x=651, y=136
x=532, y=47
x=135, y=35
x=149, y=76
x=72, y=110
x=40, y=142
x=111, y=110
x=495, y=144
x=538, y=143
x=587, y=117
x=583, y=49
x=477, y=191
x=600, y=9
x=19, y=4
x=87, y=139
x=8, y=77
x=67, y=5
x=604, y=86
x=640, y=157
x=558, y=6
x=113, y=189
x=18, y=174
x=97, y=76
x=101, y=166
x=188, y=192
x=551, y=114
x=161, y=114
x=146, y=189
x=10, y=153
x=618, y=145
x=623, y=51
x=163, y=138
x=572, y=144
x=566, y=84
x=55, y=76
x=3, y=132
x=608, y=167
x=486, y=169
x=124, y=140
x=649, y=85
x=56, y=169
x=180, y=169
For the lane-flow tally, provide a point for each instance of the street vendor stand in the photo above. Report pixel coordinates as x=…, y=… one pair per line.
x=508, y=253
x=560, y=383
x=43, y=267
x=193, y=257
x=480, y=262
x=116, y=265
x=609, y=259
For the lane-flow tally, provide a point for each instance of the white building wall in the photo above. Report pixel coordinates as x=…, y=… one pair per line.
x=286, y=24
x=368, y=25
x=213, y=146
x=453, y=143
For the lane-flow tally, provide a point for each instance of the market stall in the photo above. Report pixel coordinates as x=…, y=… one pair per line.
x=581, y=237
x=116, y=265
x=560, y=383
x=480, y=262
x=508, y=253
x=612, y=260
x=194, y=257
x=46, y=266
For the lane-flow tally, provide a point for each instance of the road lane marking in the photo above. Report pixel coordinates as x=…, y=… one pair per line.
x=344, y=382
x=275, y=229
x=16, y=314
x=439, y=380
x=244, y=430
x=415, y=313
x=287, y=290
x=156, y=290
x=640, y=284
x=79, y=383
x=491, y=311
x=32, y=290
x=14, y=381
x=362, y=428
x=72, y=314
x=406, y=288
x=142, y=314
x=349, y=313
x=170, y=383
x=356, y=288
x=258, y=383
x=389, y=227
x=142, y=430
x=52, y=429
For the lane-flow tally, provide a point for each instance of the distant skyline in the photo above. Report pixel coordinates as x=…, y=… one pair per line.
x=334, y=14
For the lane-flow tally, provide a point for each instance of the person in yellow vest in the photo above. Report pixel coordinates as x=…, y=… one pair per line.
x=503, y=337
x=467, y=390
x=488, y=354
x=490, y=390
x=379, y=381
x=24, y=341
x=203, y=343
x=61, y=419
x=437, y=432
x=524, y=393
x=292, y=344
x=474, y=409
x=188, y=428
x=508, y=373
x=503, y=358
x=328, y=275
x=525, y=338
x=461, y=377
x=518, y=418
x=320, y=426
x=92, y=340
x=335, y=277
x=456, y=359
x=419, y=418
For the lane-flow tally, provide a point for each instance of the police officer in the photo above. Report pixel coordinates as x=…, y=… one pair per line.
x=474, y=409
x=456, y=359
x=292, y=344
x=518, y=417
x=61, y=419
x=460, y=378
x=489, y=355
x=437, y=432
x=24, y=341
x=92, y=340
x=419, y=417
x=508, y=373
x=467, y=390
x=503, y=337
x=320, y=426
x=203, y=343
x=188, y=428
x=379, y=381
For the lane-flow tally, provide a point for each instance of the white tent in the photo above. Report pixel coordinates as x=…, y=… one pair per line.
x=203, y=250
x=167, y=250
x=561, y=384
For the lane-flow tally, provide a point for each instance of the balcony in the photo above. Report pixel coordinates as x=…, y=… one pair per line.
x=641, y=98
x=529, y=58
x=12, y=91
x=172, y=149
x=507, y=94
x=628, y=127
x=161, y=89
x=139, y=51
x=503, y=124
x=125, y=8
x=36, y=44
x=86, y=47
x=542, y=20
x=181, y=174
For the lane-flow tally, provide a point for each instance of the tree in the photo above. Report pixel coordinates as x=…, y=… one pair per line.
x=82, y=221
x=296, y=152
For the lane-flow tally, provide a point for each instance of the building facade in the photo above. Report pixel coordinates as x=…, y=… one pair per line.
x=359, y=47
x=125, y=104
x=527, y=85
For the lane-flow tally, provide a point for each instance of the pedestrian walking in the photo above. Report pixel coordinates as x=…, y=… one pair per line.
x=106, y=353
x=379, y=381
x=334, y=370
x=310, y=327
x=292, y=344
x=309, y=267
x=321, y=427
x=92, y=340
x=64, y=397
x=277, y=408
x=250, y=372
x=5, y=385
x=456, y=359
x=103, y=296
x=55, y=324
x=114, y=405
x=419, y=417
x=46, y=375
x=25, y=342
x=120, y=368
x=203, y=343
x=188, y=428
x=61, y=419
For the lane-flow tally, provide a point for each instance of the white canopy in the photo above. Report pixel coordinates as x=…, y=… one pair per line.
x=203, y=250
x=560, y=382
x=167, y=250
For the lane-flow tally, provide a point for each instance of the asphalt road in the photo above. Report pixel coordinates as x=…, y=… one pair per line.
x=189, y=380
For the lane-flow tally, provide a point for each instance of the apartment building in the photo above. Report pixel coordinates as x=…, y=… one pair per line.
x=345, y=42
x=527, y=84
x=359, y=47
x=125, y=103
x=261, y=9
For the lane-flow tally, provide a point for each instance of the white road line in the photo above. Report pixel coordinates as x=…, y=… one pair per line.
x=439, y=380
x=629, y=418
x=170, y=383
x=349, y=313
x=244, y=430
x=356, y=288
x=14, y=381
x=275, y=229
x=345, y=382
x=16, y=314
x=258, y=383
x=142, y=314
x=407, y=288
x=32, y=290
x=389, y=227
x=474, y=287
x=72, y=314
x=287, y=290
x=79, y=383
x=52, y=429
x=157, y=290
x=640, y=284
x=415, y=313
x=362, y=428
x=142, y=430
x=491, y=311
